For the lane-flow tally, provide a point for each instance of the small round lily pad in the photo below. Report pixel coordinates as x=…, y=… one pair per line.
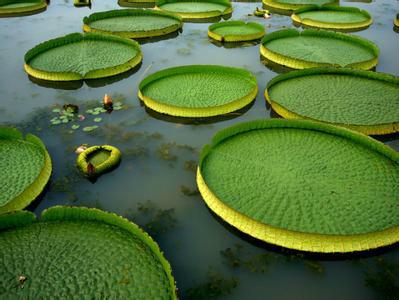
x=287, y=7
x=396, y=20
x=333, y=17
x=82, y=56
x=198, y=90
x=196, y=9
x=14, y=8
x=317, y=48
x=236, y=31
x=25, y=169
x=303, y=185
x=97, y=160
x=80, y=253
x=361, y=100
x=133, y=23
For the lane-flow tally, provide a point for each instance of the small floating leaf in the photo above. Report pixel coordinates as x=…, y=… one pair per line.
x=98, y=120
x=56, y=110
x=89, y=128
x=74, y=127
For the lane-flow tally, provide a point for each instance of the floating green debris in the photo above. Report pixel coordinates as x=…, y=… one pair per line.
x=236, y=31
x=396, y=21
x=80, y=3
x=360, y=100
x=97, y=120
x=110, y=257
x=133, y=23
x=298, y=197
x=25, y=169
x=317, y=48
x=287, y=7
x=97, y=160
x=198, y=90
x=333, y=17
x=16, y=8
x=196, y=9
x=77, y=56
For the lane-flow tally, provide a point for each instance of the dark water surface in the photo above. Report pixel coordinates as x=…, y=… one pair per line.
x=155, y=183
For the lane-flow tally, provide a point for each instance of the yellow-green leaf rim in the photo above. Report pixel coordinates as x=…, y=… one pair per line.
x=126, y=60
x=103, y=164
x=78, y=252
x=330, y=48
x=35, y=6
x=290, y=181
x=298, y=18
x=23, y=151
x=194, y=95
x=238, y=31
x=134, y=33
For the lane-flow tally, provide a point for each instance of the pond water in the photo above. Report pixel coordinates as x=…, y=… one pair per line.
x=155, y=184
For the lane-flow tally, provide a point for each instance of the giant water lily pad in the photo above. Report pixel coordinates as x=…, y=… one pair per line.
x=97, y=160
x=303, y=185
x=315, y=48
x=288, y=6
x=80, y=253
x=198, y=90
x=361, y=100
x=77, y=56
x=133, y=23
x=333, y=17
x=236, y=31
x=25, y=169
x=11, y=8
x=196, y=9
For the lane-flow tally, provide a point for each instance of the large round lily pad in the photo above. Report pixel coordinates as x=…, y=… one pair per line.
x=11, y=8
x=25, y=169
x=236, y=31
x=287, y=7
x=333, y=17
x=196, y=9
x=315, y=48
x=77, y=56
x=303, y=185
x=133, y=23
x=80, y=253
x=198, y=90
x=361, y=100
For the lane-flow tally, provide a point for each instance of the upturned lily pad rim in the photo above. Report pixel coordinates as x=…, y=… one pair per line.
x=36, y=7
x=288, y=8
x=32, y=191
x=112, y=161
x=236, y=37
x=302, y=241
x=133, y=12
x=296, y=63
x=378, y=129
x=77, y=37
x=296, y=18
x=81, y=214
x=396, y=20
x=201, y=112
x=187, y=16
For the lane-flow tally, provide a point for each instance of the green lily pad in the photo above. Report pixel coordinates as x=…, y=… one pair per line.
x=196, y=9
x=82, y=253
x=303, y=185
x=97, y=160
x=198, y=90
x=77, y=56
x=97, y=120
x=287, y=7
x=89, y=128
x=25, y=169
x=316, y=48
x=361, y=100
x=333, y=17
x=236, y=31
x=56, y=110
x=133, y=23
x=13, y=8
x=75, y=126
